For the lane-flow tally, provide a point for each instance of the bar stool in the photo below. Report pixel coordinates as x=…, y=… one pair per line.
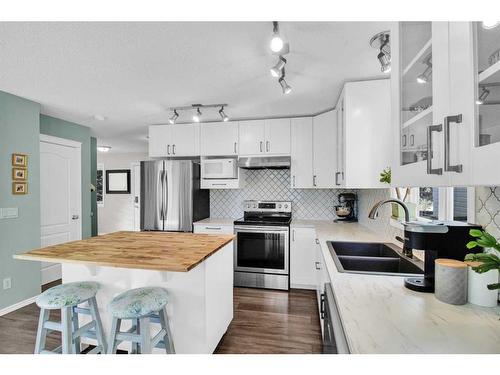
x=143, y=306
x=67, y=297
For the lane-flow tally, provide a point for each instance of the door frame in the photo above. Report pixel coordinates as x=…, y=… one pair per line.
x=50, y=272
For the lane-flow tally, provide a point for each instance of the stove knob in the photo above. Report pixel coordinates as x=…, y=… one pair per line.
x=286, y=205
x=279, y=206
x=254, y=206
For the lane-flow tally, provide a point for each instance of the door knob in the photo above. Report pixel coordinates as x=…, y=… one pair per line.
x=75, y=217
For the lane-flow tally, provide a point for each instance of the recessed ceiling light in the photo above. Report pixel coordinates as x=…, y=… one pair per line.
x=103, y=148
x=99, y=117
x=197, y=115
x=490, y=24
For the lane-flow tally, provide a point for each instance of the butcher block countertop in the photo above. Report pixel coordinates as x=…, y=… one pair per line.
x=161, y=251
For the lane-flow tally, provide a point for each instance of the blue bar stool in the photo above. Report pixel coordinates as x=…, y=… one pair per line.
x=67, y=297
x=143, y=306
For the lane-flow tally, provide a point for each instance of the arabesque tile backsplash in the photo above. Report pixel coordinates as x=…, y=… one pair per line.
x=488, y=209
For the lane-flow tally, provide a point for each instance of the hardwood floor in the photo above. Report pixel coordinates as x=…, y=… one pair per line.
x=265, y=322
x=273, y=322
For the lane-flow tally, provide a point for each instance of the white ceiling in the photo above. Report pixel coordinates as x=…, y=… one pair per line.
x=132, y=72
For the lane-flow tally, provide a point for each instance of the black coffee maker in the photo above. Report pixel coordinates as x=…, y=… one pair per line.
x=347, y=209
x=444, y=239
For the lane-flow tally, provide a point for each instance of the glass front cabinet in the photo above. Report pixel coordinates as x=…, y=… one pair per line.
x=445, y=104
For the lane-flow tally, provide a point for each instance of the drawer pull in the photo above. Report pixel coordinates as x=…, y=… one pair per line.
x=213, y=228
x=317, y=265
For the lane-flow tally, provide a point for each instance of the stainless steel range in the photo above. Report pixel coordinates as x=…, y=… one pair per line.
x=262, y=251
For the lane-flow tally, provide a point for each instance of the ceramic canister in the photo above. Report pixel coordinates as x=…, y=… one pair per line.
x=478, y=292
x=451, y=281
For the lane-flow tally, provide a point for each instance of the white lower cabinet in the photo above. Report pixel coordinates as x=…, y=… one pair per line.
x=302, y=258
x=322, y=277
x=213, y=228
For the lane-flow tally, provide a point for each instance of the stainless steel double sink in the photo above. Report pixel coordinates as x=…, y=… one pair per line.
x=373, y=258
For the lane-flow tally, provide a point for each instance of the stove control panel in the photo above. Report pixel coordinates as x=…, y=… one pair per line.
x=267, y=206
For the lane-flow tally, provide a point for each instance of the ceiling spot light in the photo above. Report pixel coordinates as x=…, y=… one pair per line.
x=276, y=70
x=287, y=89
x=381, y=42
x=197, y=115
x=223, y=115
x=103, y=148
x=490, y=24
x=427, y=74
x=482, y=97
x=276, y=41
x=174, y=117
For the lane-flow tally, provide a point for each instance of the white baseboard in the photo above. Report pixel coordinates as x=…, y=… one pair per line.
x=303, y=286
x=18, y=305
x=51, y=273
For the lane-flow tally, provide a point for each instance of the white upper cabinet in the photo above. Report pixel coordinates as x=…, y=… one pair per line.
x=324, y=153
x=252, y=136
x=364, y=134
x=264, y=137
x=301, y=152
x=174, y=140
x=219, y=139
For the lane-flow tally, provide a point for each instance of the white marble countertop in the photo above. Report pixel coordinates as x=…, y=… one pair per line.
x=216, y=221
x=380, y=315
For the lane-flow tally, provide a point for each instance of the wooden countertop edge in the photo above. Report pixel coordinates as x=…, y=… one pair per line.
x=28, y=256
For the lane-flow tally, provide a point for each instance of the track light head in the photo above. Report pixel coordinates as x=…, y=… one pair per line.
x=287, y=89
x=482, y=97
x=425, y=76
x=223, y=115
x=276, y=70
x=490, y=24
x=380, y=41
x=174, y=117
x=197, y=115
x=276, y=40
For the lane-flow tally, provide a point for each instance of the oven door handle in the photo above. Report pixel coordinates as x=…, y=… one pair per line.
x=277, y=230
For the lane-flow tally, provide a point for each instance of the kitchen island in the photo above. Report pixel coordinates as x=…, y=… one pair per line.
x=196, y=269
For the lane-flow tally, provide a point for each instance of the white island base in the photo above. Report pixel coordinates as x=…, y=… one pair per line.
x=200, y=308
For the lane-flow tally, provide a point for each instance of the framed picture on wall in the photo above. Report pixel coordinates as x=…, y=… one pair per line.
x=19, y=160
x=100, y=185
x=19, y=188
x=118, y=181
x=19, y=174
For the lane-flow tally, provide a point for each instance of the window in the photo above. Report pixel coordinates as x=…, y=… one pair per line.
x=428, y=203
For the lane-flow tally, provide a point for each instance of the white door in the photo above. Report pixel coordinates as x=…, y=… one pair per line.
x=185, y=140
x=219, y=138
x=160, y=138
x=324, y=153
x=136, y=176
x=301, y=169
x=60, y=197
x=278, y=136
x=252, y=137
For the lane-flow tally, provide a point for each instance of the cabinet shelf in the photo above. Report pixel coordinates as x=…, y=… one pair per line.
x=490, y=75
x=417, y=117
x=419, y=56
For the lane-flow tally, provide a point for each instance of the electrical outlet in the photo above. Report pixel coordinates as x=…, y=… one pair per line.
x=7, y=283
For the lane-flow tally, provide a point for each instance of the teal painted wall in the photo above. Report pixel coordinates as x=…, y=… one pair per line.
x=69, y=130
x=19, y=133
x=93, y=180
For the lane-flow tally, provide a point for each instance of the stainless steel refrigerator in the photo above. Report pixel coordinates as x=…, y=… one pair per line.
x=171, y=198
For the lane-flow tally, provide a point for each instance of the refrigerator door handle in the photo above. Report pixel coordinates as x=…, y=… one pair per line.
x=159, y=193
x=165, y=196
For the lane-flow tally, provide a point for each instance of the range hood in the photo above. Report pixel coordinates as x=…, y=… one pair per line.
x=265, y=162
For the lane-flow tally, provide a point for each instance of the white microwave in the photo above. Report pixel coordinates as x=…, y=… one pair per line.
x=219, y=168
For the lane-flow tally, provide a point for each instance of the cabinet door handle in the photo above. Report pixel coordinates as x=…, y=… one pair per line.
x=457, y=119
x=173, y=149
x=412, y=140
x=317, y=265
x=314, y=180
x=322, y=306
x=317, y=241
x=268, y=146
x=337, y=174
x=430, y=129
x=235, y=150
x=293, y=181
x=215, y=184
x=293, y=235
x=404, y=140
x=168, y=149
x=260, y=146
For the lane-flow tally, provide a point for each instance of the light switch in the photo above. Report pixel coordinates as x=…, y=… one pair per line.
x=9, y=213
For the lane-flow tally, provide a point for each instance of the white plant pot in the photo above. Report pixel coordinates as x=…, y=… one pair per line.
x=478, y=292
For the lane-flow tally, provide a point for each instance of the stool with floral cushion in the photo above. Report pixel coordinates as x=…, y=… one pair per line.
x=143, y=306
x=72, y=299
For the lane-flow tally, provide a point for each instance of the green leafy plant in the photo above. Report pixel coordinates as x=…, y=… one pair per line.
x=385, y=178
x=488, y=261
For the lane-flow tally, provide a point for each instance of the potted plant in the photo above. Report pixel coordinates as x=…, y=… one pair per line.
x=488, y=260
x=397, y=210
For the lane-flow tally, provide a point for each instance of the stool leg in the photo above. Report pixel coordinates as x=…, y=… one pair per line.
x=145, y=335
x=41, y=333
x=135, y=346
x=66, y=330
x=169, y=342
x=98, y=324
x=76, y=341
x=115, y=327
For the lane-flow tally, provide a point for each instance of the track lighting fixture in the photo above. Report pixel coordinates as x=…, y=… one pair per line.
x=427, y=74
x=223, y=114
x=490, y=24
x=381, y=42
x=482, y=97
x=287, y=89
x=197, y=115
x=276, y=70
x=174, y=117
x=276, y=41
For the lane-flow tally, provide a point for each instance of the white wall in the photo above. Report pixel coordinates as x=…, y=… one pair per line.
x=118, y=211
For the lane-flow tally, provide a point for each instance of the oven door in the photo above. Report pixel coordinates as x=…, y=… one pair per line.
x=262, y=249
